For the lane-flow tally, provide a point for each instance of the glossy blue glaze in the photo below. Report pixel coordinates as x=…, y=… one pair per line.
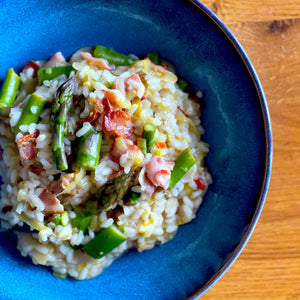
x=235, y=118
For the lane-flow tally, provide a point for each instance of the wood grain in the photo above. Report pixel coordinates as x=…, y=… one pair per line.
x=269, y=266
x=235, y=11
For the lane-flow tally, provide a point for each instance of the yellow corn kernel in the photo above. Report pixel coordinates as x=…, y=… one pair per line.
x=157, y=152
x=137, y=101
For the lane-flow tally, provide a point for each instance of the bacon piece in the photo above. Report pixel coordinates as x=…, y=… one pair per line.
x=27, y=145
x=91, y=118
x=110, y=100
x=99, y=63
x=159, y=170
x=56, y=60
x=55, y=186
x=52, y=204
x=115, y=213
x=134, y=83
x=146, y=185
x=99, y=106
x=117, y=122
x=37, y=169
x=32, y=65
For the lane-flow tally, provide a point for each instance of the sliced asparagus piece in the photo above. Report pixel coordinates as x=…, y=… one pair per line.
x=62, y=104
x=113, y=191
x=88, y=150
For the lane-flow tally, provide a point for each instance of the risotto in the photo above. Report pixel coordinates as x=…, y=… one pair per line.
x=99, y=154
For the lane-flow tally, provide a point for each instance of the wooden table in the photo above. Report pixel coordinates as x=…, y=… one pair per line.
x=269, y=266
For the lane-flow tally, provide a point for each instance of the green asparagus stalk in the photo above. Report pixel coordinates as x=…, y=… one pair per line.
x=104, y=242
x=142, y=144
x=62, y=104
x=149, y=134
x=88, y=150
x=154, y=57
x=131, y=198
x=81, y=222
x=113, y=191
x=112, y=56
x=183, y=85
x=31, y=111
x=182, y=164
x=9, y=90
x=51, y=73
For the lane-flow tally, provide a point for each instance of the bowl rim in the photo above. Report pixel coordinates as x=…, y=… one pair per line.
x=203, y=10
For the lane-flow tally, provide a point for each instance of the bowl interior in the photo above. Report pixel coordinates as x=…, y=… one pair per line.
x=235, y=120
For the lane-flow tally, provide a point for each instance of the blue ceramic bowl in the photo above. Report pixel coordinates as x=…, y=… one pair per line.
x=235, y=118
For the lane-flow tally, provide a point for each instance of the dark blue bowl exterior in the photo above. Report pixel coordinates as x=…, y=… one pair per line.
x=235, y=118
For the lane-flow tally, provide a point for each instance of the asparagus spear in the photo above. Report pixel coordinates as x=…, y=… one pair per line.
x=62, y=104
x=142, y=144
x=88, y=150
x=9, y=90
x=154, y=56
x=51, y=73
x=149, y=134
x=104, y=242
x=113, y=191
x=182, y=164
x=31, y=111
x=112, y=56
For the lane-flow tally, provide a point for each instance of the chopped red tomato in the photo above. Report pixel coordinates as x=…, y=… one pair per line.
x=52, y=204
x=31, y=64
x=200, y=183
x=161, y=145
x=27, y=145
x=143, y=98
